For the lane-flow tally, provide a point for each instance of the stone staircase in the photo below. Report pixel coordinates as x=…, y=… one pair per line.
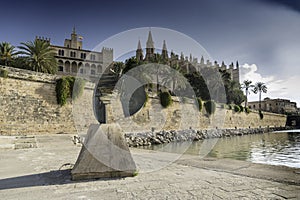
x=107, y=84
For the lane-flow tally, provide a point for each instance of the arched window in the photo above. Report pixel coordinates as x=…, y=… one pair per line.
x=61, y=52
x=87, y=68
x=67, y=66
x=80, y=67
x=74, y=67
x=99, y=69
x=73, y=54
x=82, y=55
x=60, y=66
x=93, y=69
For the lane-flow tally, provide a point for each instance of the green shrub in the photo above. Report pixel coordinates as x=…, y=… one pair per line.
x=247, y=110
x=199, y=102
x=3, y=73
x=236, y=108
x=261, y=115
x=241, y=108
x=62, y=89
x=210, y=107
x=67, y=87
x=165, y=99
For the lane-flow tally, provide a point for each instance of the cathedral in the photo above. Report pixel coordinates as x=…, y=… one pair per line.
x=187, y=64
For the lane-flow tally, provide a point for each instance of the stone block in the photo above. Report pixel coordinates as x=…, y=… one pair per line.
x=104, y=154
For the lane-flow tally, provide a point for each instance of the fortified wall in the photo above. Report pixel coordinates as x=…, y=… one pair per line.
x=181, y=116
x=28, y=106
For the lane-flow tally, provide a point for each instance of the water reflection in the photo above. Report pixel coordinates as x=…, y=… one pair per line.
x=277, y=148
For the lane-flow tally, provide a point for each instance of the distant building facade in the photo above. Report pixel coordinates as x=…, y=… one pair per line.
x=281, y=106
x=73, y=59
x=188, y=64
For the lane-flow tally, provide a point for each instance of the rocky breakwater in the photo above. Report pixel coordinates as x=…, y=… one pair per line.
x=161, y=137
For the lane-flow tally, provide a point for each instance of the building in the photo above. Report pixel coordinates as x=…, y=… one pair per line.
x=188, y=64
x=282, y=106
x=73, y=59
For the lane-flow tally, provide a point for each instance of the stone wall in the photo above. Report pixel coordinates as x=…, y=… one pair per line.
x=28, y=106
x=181, y=116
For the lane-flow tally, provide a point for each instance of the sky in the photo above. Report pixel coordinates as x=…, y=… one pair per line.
x=263, y=35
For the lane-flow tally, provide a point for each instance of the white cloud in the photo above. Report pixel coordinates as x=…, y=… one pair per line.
x=277, y=88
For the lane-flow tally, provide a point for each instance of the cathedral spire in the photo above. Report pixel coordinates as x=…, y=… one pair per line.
x=149, y=47
x=139, y=52
x=164, y=51
x=164, y=46
x=139, y=45
x=202, y=60
x=150, y=43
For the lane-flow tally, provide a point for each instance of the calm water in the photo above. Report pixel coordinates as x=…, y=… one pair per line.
x=276, y=148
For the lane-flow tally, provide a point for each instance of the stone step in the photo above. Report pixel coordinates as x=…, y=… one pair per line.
x=25, y=142
x=25, y=145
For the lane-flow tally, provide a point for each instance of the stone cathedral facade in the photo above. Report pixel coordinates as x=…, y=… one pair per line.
x=188, y=64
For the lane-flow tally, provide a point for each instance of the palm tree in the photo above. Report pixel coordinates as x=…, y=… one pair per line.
x=247, y=85
x=40, y=56
x=7, y=53
x=259, y=88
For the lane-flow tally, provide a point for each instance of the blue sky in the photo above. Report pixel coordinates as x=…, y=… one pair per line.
x=263, y=35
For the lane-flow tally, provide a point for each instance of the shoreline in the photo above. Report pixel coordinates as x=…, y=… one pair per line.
x=162, y=137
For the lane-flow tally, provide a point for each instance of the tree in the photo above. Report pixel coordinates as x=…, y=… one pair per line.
x=20, y=62
x=129, y=64
x=40, y=56
x=234, y=93
x=198, y=84
x=213, y=81
x=7, y=53
x=226, y=77
x=247, y=85
x=259, y=88
x=118, y=68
